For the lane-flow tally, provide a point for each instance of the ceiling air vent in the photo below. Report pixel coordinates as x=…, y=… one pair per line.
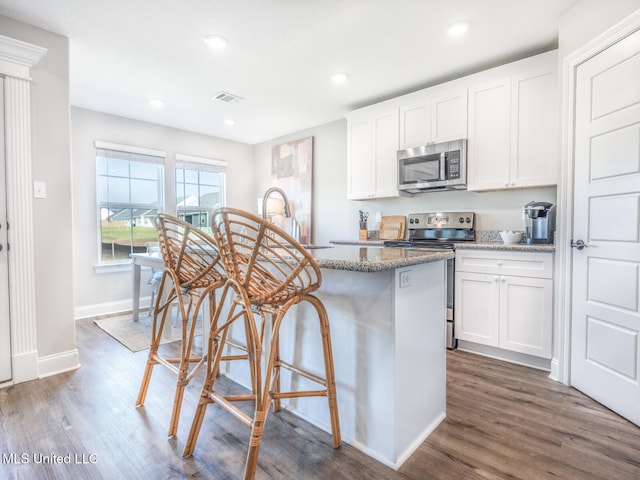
x=227, y=97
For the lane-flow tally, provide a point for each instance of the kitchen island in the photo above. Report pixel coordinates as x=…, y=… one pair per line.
x=386, y=309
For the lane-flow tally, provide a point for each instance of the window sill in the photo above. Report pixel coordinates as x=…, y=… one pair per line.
x=114, y=267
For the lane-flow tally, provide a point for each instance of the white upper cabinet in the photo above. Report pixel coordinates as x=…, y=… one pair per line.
x=415, y=124
x=513, y=125
x=534, y=127
x=508, y=114
x=372, y=144
x=489, y=140
x=360, y=166
x=433, y=117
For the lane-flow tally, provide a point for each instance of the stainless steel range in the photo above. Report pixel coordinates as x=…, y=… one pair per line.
x=440, y=230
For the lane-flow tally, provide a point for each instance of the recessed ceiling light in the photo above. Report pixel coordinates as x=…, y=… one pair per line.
x=230, y=122
x=339, y=77
x=215, y=41
x=156, y=102
x=457, y=29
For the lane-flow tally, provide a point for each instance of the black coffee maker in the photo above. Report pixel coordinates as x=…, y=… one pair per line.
x=539, y=222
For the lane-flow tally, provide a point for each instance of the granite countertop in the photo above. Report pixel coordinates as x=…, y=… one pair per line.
x=479, y=245
x=375, y=258
x=514, y=247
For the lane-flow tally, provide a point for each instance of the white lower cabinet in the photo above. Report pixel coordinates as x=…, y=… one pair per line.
x=505, y=300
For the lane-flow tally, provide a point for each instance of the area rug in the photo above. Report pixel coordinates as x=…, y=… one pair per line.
x=136, y=336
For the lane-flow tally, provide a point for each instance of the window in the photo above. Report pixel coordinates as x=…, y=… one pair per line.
x=130, y=195
x=200, y=189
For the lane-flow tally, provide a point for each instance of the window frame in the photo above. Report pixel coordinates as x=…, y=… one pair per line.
x=155, y=157
x=201, y=164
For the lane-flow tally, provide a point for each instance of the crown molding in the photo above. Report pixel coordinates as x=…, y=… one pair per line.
x=17, y=57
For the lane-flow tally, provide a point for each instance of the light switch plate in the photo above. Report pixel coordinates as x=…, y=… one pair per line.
x=39, y=190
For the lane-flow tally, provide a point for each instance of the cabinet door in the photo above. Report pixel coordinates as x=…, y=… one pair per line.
x=449, y=116
x=534, y=157
x=386, y=133
x=526, y=314
x=489, y=136
x=415, y=124
x=359, y=159
x=477, y=307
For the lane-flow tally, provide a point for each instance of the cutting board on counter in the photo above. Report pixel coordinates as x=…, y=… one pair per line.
x=392, y=227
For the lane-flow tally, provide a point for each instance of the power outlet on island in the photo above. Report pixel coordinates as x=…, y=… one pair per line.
x=405, y=279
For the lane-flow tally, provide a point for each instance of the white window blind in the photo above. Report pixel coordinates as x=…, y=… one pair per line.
x=200, y=188
x=130, y=194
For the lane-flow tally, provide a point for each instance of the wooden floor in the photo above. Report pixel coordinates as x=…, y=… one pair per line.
x=503, y=422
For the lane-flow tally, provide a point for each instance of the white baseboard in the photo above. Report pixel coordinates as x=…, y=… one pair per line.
x=24, y=366
x=58, y=363
x=121, y=306
x=555, y=370
x=505, y=355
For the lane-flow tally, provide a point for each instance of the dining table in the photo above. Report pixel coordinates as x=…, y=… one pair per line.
x=139, y=260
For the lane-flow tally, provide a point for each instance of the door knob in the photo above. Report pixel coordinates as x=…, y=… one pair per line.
x=579, y=244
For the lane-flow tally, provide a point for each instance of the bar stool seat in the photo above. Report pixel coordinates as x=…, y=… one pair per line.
x=267, y=273
x=192, y=271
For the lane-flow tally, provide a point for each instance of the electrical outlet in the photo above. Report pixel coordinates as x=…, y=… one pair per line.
x=405, y=279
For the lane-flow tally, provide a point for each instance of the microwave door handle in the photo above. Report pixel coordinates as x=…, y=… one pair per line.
x=443, y=161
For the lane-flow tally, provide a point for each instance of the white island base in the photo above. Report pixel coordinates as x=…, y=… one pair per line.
x=389, y=357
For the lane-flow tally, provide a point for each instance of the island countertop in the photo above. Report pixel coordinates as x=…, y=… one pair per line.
x=375, y=259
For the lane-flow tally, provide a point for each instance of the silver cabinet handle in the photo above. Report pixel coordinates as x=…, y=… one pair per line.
x=579, y=244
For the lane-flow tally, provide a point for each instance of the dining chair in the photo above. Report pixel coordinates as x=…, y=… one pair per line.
x=267, y=273
x=192, y=273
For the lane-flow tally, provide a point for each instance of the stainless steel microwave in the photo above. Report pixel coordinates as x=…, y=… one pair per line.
x=439, y=166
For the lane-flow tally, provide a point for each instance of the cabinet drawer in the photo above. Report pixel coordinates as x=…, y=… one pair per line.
x=536, y=265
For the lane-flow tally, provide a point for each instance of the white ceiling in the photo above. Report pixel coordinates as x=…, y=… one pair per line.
x=280, y=54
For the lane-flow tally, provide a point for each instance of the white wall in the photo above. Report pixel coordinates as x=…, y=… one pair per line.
x=51, y=164
x=589, y=18
x=331, y=213
x=99, y=293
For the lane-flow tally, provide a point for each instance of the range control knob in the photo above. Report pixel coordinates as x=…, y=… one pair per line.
x=468, y=220
x=461, y=220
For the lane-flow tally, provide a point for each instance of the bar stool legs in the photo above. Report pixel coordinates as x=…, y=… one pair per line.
x=189, y=317
x=264, y=396
x=218, y=338
x=272, y=392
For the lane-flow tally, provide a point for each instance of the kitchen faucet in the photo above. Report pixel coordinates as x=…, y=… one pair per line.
x=267, y=194
x=295, y=228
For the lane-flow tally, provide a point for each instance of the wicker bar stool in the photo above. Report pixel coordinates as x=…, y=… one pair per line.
x=269, y=272
x=192, y=271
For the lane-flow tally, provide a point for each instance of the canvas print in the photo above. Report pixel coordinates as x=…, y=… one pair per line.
x=291, y=170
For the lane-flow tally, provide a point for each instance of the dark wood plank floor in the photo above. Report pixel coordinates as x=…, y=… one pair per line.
x=503, y=422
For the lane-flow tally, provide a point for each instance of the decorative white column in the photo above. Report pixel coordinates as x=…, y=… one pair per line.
x=16, y=60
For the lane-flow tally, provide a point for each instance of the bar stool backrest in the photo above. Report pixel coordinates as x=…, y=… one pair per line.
x=189, y=252
x=269, y=264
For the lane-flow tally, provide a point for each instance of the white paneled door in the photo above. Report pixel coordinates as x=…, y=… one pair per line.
x=605, y=345
x=5, y=324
